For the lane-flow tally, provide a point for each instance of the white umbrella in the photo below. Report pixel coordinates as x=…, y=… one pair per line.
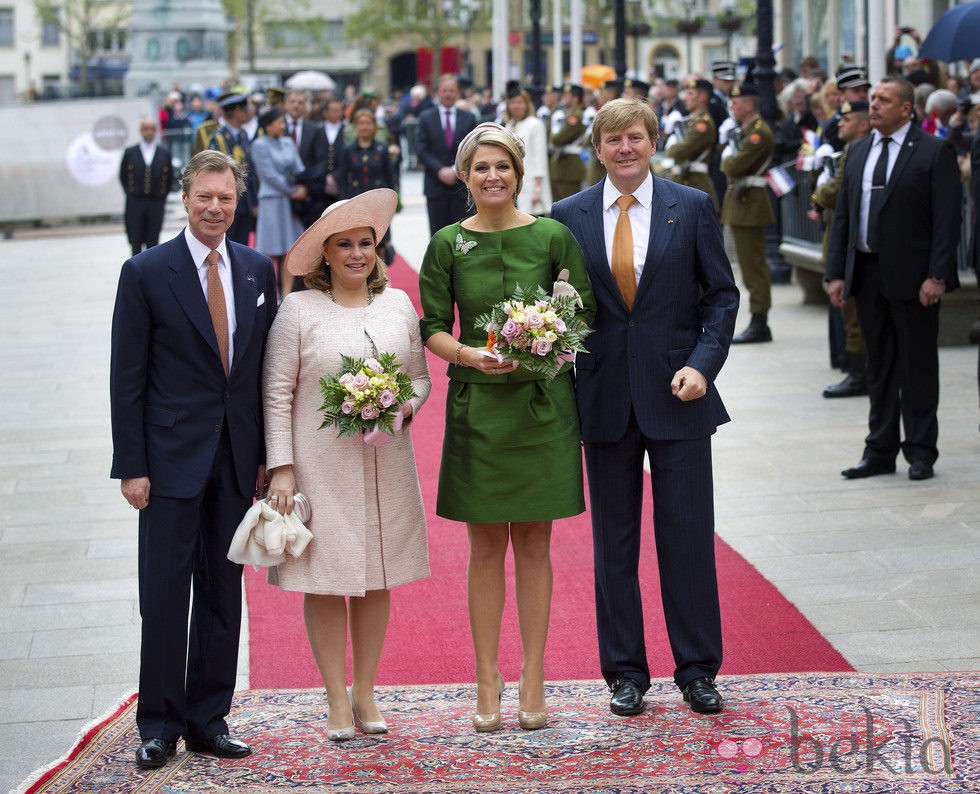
x=311, y=81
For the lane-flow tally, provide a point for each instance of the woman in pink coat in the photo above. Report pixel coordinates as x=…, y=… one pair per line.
x=367, y=519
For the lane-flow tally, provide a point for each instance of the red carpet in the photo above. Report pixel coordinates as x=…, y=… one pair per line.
x=779, y=734
x=428, y=638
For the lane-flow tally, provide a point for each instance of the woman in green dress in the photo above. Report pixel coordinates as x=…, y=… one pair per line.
x=511, y=460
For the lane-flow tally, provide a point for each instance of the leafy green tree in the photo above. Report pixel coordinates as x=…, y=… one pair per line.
x=79, y=21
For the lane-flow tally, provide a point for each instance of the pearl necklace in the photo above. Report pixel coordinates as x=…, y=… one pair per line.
x=370, y=298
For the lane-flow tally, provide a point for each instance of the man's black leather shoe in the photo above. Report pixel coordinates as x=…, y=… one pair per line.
x=920, y=470
x=627, y=698
x=869, y=467
x=154, y=753
x=703, y=696
x=852, y=386
x=755, y=332
x=220, y=746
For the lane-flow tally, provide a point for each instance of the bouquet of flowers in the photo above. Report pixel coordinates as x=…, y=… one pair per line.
x=538, y=331
x=365, y=395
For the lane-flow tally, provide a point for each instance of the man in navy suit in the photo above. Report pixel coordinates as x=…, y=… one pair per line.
x=666, y=313
x=441, y=129
x=188, y=336
x=147, y=176
x=893, y=247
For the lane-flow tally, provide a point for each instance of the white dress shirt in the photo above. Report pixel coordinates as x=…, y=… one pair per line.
x=149, y=151
x=332, y=129
x=199, y=253
x=894, y=149
x=639, y=214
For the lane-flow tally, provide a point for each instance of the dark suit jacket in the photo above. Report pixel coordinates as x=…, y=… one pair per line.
x=431, y=149
x=140, y=181
x=683, y=314
x=168, y=392
x=975, y=181
x=919, y=226
x=310, y=148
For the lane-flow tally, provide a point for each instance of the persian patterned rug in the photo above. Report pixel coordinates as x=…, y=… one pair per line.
x=822, y=733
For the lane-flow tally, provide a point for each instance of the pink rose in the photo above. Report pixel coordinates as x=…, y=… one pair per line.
x=541, y=347
x=369, y=411
x=361, y=381
x=346, y=379
x=373, y=365
x=535, y=320
x=387, y=398
x=560, y=326
x=510, y=329
x=347, y=406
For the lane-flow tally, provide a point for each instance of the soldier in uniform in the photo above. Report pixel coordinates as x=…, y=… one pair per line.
x=567, y=165
x=695, y=142
x=747, y=208
x=723, y=81
x=852, y=82
x=854, y=125
x=231, y=139
x=147, y=176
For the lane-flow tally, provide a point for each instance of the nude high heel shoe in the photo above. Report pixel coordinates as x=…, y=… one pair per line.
x=366, y=726
x=530, y=720
x=484, y=723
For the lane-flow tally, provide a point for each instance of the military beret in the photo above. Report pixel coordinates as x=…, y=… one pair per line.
x=572, y=88
x=699, y=83
x=854, y=107
x=638, y=87
x=745, y=89
x=276, y=95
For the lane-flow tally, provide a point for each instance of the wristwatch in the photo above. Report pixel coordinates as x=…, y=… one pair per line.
x=935, y=280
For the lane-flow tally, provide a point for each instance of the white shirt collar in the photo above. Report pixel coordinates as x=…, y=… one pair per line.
x=199, y=251
x=897, y=137
x=643, y=194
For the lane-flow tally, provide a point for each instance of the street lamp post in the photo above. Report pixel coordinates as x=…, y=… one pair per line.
x=536, y=87
x=765, y=63
x=27, y=70
x=619, y=41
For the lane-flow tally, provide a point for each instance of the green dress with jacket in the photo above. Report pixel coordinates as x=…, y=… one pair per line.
x=512, y=447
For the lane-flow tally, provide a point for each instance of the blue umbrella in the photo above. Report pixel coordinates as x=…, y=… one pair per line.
x=955, y=36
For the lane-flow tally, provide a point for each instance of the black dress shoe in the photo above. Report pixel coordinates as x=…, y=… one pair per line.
x=852, y=386
x=703, y=696
x=220, y=746
x=154, y=753
x=755, y=332
x=920, y=470
x=627, y=698
x=869, y=467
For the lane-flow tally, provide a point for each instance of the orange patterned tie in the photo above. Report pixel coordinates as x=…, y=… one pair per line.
x=217, y=307
x=622, y=252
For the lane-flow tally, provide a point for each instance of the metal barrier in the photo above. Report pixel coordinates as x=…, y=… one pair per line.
x=802, y=237
x=179, y=142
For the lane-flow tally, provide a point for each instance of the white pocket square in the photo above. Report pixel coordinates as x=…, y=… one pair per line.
x=261, y=300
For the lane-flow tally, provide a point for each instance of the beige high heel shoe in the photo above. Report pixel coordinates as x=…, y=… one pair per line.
x=530, y=720
x=366, y=726
x=484, y=723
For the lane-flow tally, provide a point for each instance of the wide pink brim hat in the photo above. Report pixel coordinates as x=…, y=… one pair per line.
x=373, y=209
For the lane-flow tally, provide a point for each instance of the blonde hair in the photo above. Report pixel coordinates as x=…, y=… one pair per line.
x=620, y=114
x=490, y=133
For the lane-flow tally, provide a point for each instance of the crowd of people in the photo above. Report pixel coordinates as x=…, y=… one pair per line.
x=615, y=201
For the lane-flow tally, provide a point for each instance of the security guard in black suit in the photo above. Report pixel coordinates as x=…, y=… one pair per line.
x=147, y=176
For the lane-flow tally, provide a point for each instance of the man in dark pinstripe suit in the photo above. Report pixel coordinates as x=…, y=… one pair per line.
x=665, y=319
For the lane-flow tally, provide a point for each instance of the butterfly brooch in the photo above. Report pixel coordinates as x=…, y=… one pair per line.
x=464, y=246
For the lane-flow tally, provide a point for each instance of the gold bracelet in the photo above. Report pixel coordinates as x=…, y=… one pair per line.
x=456, y=354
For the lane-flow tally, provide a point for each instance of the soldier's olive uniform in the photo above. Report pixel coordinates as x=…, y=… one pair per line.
x=748, y=210
x=692, y=154
x=567, y=166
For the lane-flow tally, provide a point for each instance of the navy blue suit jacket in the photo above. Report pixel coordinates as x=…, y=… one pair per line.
x=431, y=149
x=168, y=392
x=683, y=314
x=919, y=223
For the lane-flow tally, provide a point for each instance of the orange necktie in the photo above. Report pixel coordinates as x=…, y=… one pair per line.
x=217, y=308
x=622, y=252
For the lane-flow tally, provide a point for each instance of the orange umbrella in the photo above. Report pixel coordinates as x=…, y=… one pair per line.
x=596, y=74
